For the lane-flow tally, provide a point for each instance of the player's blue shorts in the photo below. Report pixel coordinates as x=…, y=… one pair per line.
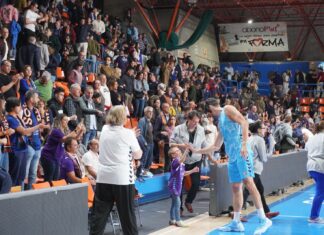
x=240, y=169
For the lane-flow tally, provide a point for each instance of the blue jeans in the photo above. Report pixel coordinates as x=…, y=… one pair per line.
x=51, y=169
x=32, y=165
x=148, y=156
x=4, y=161
x=175, y=208
x=319, y=195
x=17, y=167
x=89, y=135
x=93, y=62
x=139, y=107
x=146, y=159
x=5, y=185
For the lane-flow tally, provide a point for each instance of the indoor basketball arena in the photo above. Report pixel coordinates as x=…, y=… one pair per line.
x=136, y=117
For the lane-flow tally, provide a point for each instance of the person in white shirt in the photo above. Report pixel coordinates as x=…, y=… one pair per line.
x=104, y=90
x=32, y=18
x=98, y=26
x=230, y=71
x=4, y=47
x=91, y=159
x=210, y=131
x=306, y=134
x=315, y=168
x=118, y=148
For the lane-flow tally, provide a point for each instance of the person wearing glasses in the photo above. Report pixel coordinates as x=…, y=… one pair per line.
x=233, y=133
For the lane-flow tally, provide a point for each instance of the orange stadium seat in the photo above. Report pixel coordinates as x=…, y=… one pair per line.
x=63, y=85
x=131, y=123
x=41, y=185
x=305, y=101
x=305, y=109
x=91, y=78
x=90, y=191
x=58, y=183
x=321, y=101
x=321, y=109
x=15, y=189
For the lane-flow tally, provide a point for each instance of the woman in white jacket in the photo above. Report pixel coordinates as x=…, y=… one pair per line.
x=260, y=156
x=315, y=168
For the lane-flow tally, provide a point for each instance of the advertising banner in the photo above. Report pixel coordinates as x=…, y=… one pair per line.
x=255, y=37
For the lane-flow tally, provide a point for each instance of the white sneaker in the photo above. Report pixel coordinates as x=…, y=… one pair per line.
x=264, y=225
x=233, y=226
x=147, y=174
x=180, y=224
x=316, y=221
x=172, y=222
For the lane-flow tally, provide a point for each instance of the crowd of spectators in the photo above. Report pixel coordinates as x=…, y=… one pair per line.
x=64, y=64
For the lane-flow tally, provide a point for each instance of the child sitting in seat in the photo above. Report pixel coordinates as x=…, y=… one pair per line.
x=175, y=183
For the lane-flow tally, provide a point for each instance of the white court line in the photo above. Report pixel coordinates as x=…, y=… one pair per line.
x=187, y=222
x=293, y=216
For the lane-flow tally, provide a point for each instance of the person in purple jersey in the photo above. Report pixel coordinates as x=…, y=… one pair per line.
x=175, y=183
x=53, y=150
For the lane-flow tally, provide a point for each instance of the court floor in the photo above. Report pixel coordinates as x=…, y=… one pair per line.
x=294, y=212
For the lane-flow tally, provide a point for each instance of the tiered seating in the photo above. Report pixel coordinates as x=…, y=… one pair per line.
x=321, y=108
x=305, y=102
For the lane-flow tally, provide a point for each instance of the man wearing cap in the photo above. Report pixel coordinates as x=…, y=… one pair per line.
x=44, y=86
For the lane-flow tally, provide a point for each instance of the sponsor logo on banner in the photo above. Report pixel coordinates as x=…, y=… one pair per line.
x=256, y=37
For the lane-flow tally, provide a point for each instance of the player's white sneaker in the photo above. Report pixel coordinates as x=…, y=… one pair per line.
x=234, y=226
x=316, y=221
x=263, y=227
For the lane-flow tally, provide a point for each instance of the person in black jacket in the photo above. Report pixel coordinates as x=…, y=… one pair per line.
x=178, y=69
x=116, y=97
x=126, y=86
x=156, y=61
x=55, y=105
x=82, y=31
x=99, y=105
x=29, y=54
x=73, y=106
